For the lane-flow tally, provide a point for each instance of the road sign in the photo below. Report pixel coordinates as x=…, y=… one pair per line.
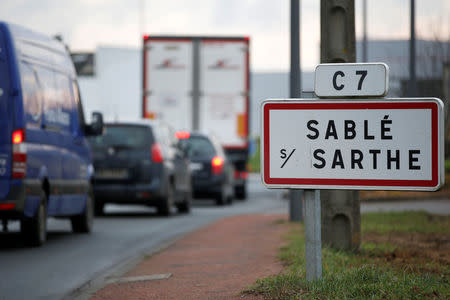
x=347, y=80
x=371, y=144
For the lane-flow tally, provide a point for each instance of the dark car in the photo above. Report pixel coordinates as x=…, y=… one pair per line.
x=141, y=163
x=212, y=172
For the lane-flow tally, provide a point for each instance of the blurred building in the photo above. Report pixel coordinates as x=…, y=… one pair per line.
x=430, y=59
x=110, y=82
x=84, y=63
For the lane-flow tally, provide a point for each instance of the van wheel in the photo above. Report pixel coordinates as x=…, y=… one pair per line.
x=34, y=229
x=166, y=205
x=83, y=223
x=185, y=206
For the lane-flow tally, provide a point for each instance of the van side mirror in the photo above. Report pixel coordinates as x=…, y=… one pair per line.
x=96, y=126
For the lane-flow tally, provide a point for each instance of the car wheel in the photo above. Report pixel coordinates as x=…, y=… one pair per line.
x=35, y=229
x=230, y=199
x=99, y=207
x=164, y=209
x=83, y=222
x=241, y=192
x=185, y=206
x=221, y=197
x=230, y=194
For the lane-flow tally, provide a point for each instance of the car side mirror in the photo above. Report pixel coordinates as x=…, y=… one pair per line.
x=96, y=126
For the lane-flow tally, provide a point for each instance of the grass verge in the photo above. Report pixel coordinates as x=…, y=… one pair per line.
x=254, y=160
x=402, y=256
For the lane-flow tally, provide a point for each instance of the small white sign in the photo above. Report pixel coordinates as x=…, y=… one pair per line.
x=351, y=80
x=379, y=144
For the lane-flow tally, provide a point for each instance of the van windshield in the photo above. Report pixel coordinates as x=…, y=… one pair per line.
x=122, y=136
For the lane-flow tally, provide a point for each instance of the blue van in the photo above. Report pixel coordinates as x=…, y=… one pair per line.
x=45, y=160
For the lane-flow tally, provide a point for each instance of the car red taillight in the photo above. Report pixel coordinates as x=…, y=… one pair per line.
x=182, y=135
x=217, y=165
x=19, y=161
x=240, y=174
x=157, y=156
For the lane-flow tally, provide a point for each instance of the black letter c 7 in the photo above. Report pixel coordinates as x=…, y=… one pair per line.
x=338, y=87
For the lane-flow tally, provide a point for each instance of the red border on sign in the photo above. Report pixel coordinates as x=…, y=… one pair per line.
x=354, y=182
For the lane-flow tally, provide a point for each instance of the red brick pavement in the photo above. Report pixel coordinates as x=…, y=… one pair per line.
x=216, y=262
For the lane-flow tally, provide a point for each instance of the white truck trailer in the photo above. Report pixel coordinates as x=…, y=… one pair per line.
x=201, y=84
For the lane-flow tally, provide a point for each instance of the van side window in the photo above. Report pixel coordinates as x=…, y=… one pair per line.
x=47, y=81
x=32, y=97
x=56, y=104
x=65, y=100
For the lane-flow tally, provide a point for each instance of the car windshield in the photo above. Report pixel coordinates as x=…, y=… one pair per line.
x=198, y=147
x=122, y=136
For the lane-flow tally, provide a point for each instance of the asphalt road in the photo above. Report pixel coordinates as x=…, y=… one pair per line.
x=68, y=261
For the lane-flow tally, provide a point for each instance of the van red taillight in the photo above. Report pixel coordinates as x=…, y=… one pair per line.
x=217, y=165
x=157, y=156
x=19, y=159
x=18, y=136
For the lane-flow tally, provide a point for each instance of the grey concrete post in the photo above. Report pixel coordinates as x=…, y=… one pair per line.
x=446, y=99
x=364, y=42
x=341, y=217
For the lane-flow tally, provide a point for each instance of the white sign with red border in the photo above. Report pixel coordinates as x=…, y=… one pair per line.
x=373, y=144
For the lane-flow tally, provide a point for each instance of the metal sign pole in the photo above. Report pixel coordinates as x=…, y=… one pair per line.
x=313, y=230
x=313, y=243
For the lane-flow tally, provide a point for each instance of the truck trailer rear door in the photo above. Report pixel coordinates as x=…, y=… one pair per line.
x=224, y=90
x=168, y=81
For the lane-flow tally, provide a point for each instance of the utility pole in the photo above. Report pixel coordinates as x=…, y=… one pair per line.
x=141, y=14
x=295, y=79
x=295, y=195
x=412, y=90
x=364, y=42
x=340, y=210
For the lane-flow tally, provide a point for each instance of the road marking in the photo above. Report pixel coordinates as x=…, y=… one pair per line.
x=140, y=278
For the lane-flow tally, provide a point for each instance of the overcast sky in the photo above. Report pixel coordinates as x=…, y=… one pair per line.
x=87, y=24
